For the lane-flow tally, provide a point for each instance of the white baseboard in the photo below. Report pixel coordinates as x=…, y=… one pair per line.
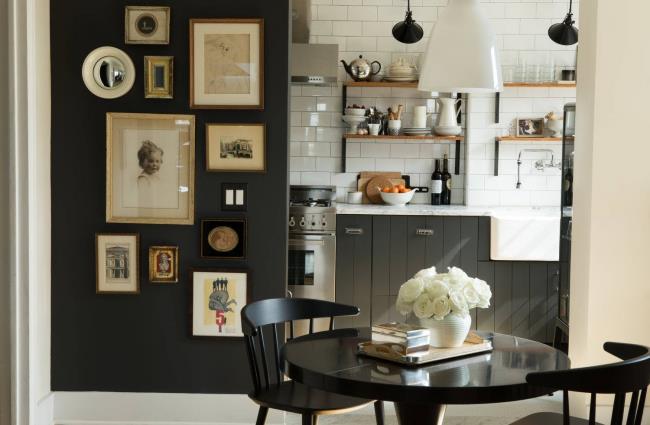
x=44, y=411
x=108, y=408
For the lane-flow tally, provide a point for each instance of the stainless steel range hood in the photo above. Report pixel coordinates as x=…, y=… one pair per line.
x=310, y=63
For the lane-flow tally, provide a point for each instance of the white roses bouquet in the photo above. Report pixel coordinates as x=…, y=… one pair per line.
x=430, y=294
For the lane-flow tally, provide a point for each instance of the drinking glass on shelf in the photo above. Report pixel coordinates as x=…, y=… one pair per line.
x=533, y=73
x=508, y=73
x=520, y=74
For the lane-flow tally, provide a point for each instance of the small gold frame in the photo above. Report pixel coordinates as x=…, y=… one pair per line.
x=155, y=255
x=159, y=77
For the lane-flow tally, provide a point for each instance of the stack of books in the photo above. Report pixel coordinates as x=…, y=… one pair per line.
x=400, y=338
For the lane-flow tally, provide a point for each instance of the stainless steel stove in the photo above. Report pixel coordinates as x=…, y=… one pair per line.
x=311, y=209
x=312, y=244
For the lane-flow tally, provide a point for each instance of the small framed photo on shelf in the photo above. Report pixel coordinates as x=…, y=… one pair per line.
x=116, y=256
x=159, y=77
x=236, y=147
x=146, y=24
x=530, y=127
x=218, y=296
x=227, y=63
x=163, y=264
x=223, y=238
x=149, y=168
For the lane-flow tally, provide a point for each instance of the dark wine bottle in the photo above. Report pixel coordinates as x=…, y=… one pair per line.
x=446, y=182
x=436, y=185
x=567, y=185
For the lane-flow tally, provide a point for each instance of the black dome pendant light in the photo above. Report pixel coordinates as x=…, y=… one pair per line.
x=408, y=31
x=564, y=33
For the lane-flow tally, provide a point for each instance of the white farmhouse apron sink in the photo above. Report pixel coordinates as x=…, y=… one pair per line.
x=524, y=237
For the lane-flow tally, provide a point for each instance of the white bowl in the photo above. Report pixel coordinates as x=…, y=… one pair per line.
x=397, y=198
x=448, y=131
x=357, y=112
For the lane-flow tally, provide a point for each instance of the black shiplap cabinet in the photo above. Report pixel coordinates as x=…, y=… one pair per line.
x=376, y=254
x=354, y=267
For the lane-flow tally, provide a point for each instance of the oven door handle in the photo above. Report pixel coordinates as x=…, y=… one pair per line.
x=306, y=242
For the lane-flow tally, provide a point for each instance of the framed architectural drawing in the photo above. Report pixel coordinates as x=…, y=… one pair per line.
x=217, y=299
x=149, y=168
x=227, y=63
x=159, y=77
x=236, y=147
x=146, y=24
x=163, y=264
x=116, y=256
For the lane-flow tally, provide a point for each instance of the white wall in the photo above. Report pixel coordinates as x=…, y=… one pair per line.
x=610, y=288
x=364, y=27
x=5, y=337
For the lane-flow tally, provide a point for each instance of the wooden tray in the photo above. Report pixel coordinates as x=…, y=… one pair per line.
x=423, y=357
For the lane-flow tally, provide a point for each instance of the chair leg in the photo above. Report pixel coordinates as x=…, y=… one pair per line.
x=261, y=415
x=379, y=412
x=308, y=419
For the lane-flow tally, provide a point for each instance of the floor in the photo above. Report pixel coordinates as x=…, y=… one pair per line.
x=391, y=420
x=486, y=414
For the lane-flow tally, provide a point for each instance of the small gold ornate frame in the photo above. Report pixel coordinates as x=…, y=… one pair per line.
x=163, y=264
x=159, y=77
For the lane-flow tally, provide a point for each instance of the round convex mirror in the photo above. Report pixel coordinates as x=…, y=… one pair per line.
x=108, y=72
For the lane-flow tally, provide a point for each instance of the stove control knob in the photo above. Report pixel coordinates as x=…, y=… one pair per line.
x=292, y=222
x=324, y=223
x=302, y=221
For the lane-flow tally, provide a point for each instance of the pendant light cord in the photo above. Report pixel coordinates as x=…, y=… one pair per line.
x=570, y=6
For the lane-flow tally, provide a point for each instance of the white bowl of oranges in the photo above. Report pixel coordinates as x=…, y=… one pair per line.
x=397, y=195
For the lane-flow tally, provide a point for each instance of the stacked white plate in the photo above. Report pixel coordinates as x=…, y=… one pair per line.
x=416, y=131
x=401, y=78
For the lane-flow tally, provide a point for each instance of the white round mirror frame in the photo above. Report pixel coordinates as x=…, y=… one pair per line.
x=88, y=67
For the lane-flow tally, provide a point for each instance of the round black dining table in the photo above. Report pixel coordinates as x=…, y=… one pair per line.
x=329, y=361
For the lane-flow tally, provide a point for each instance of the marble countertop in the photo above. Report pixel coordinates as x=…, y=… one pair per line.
x=446, y=210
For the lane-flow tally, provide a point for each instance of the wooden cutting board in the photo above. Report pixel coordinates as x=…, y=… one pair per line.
x=362, y=186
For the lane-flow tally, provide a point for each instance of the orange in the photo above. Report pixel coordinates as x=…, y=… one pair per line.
x=395, y=190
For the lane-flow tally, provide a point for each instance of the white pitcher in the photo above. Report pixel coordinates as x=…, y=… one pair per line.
x=447, y=115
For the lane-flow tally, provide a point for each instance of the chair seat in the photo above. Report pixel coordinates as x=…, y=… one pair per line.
x=548, y=418
x=298, y=398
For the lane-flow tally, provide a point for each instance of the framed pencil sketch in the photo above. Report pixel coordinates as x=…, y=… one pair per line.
x=149, y=168
x=159, y=77
x=116, y=256
x=223, y=238
x=218, y=296
x=236, y=147
x=227, y=63
x=163, y=264
x=146, y=24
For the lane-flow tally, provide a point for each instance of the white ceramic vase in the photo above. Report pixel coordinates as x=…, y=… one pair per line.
x=448, y=332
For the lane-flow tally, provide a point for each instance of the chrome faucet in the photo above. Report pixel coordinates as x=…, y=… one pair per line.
x=540, y=164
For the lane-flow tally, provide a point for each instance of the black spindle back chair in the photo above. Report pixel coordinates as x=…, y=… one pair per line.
x=632, y=375
x=270, y=390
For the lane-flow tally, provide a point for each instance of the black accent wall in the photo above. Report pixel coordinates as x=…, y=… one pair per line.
x=142, y=342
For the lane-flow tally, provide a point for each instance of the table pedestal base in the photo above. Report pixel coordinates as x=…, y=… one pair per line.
x=420, y=414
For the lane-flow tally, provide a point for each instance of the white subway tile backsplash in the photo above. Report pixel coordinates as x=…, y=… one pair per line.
x=302, y=134
x=346, y=28
x=364, y=27
x=331, y=13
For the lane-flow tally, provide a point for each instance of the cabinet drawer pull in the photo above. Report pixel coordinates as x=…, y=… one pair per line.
x=424, y=232
x=353, y=231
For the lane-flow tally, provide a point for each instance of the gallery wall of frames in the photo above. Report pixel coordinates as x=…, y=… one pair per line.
x=169, y=177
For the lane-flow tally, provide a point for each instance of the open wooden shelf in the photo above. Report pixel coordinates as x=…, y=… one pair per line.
x=395, y=84
x=550, y=84
x=528, y=139
x=403, y=136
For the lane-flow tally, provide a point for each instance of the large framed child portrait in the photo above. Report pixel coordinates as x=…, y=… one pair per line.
x=149, y=168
